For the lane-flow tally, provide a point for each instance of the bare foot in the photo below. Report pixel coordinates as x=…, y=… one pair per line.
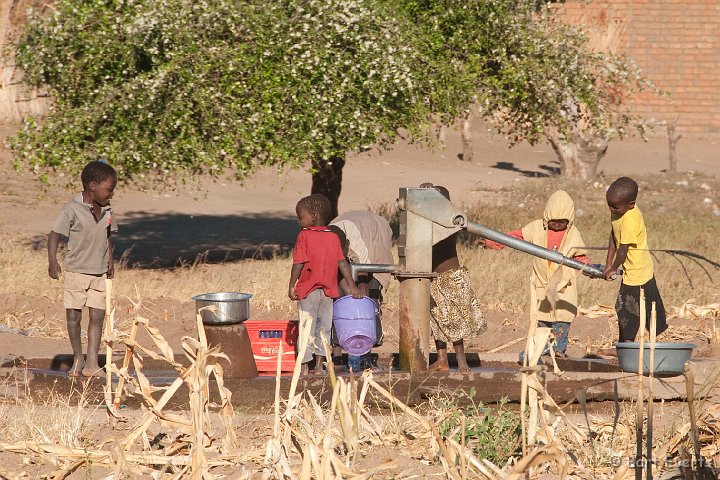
x=76, y=369
x=464, y=369
x=607, y=352
x=439, y=367
x=320, y=366
x=93, y=372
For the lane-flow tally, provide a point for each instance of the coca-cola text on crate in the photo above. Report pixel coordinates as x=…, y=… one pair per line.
x=266, y=337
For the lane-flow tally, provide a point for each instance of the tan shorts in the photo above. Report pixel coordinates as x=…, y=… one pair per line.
x=82, y=290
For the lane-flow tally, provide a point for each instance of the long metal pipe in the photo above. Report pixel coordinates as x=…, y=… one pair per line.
x=532, y=249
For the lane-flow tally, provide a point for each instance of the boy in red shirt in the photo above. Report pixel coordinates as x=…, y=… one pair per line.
x=317, y=257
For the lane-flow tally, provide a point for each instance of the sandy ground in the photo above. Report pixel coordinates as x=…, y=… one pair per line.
x=237, y=218
x=234, y=219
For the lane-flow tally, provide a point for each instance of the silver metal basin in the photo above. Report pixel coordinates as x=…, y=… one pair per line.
x=224, y=307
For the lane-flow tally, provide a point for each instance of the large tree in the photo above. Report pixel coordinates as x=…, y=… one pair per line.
x=180, y=86
x=535, y=76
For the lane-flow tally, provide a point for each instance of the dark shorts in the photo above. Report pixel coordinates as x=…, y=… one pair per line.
x=627, y=307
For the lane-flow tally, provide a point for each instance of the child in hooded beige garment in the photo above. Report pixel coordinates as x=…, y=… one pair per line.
x=554, y=284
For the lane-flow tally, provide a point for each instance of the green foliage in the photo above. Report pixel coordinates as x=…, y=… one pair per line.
x=200, y=86
x=491, y=433
x=169, y=86
x=528, y=70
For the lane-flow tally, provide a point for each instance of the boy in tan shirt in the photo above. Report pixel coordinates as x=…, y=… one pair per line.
x=87, y=222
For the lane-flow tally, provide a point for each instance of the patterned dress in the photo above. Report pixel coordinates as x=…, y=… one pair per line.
x=455, y=311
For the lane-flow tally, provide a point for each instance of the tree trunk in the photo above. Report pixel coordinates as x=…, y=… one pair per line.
x=327, y=180
x=17, y=100
x=579, y=159
x=673, y=138
x=466, y=135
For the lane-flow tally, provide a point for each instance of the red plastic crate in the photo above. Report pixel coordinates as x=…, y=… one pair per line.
x=265, y=337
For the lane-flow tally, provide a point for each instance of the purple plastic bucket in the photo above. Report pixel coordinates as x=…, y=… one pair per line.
x=354, y=320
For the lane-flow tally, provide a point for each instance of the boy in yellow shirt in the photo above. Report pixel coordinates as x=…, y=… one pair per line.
x=629, y=248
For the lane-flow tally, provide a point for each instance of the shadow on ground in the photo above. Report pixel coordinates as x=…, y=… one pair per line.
x=156, y=241
x=547, y=170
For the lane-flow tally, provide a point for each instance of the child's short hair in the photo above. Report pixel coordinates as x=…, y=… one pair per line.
x=444, y=191
x=624, y=188
x=316, y=203
x=96, y=171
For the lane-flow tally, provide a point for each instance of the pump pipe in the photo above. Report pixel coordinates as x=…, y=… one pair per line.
x=507, y=240
x=372, y=268
x=532, y=249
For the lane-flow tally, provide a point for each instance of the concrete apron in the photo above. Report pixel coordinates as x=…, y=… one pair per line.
x=498, y=377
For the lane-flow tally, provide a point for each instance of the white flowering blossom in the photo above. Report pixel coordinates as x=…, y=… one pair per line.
x=200, y=86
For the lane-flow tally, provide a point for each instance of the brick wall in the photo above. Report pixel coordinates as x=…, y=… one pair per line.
x=676, y=43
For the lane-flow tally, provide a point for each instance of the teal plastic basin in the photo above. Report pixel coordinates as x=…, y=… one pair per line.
x=670, y=357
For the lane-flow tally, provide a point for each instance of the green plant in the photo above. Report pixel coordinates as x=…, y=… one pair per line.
x=168, y=86
x=491, y=433
x=164, y=88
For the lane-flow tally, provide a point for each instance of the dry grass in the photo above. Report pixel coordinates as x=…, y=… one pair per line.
x=266, y=279
x=675, y=213
x=53, y=430
x=306, y=440
x=53, y=417
x=612, y=444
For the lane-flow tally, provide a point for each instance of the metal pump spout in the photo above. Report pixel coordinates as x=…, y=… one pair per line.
x=429, y=204
x=356, y=268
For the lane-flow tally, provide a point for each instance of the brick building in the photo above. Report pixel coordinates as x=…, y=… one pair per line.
x=676, y=43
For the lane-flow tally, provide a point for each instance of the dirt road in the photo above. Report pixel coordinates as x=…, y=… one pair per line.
x=226, y=216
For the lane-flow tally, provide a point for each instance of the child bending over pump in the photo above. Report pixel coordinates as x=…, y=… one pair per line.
x=554, y=284
x=455, y=312
x=367, y=238
x=317, y=257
